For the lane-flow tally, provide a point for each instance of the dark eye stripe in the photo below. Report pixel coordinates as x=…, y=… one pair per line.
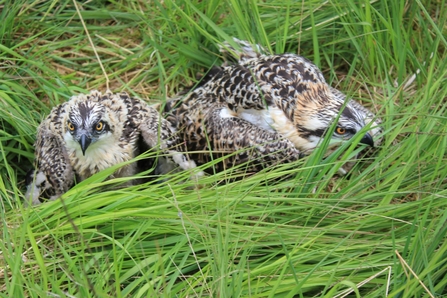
x=305, y=133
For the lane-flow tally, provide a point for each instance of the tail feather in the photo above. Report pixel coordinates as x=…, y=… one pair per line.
x=243, y=51
x=37, y=186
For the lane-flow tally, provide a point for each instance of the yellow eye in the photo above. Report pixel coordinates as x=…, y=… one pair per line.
x=70, y=125
x=99, y=126
x=340, y=130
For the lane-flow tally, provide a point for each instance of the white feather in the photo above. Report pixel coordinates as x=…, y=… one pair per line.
x=33, y=190
x=226, y=113
x=260, y=118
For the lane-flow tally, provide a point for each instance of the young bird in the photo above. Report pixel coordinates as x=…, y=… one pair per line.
x=278, y=106
x=92, y=132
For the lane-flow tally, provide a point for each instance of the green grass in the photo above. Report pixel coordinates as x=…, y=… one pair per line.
x=296, y=230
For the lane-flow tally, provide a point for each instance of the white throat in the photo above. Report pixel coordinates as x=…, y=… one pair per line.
x=100, y=155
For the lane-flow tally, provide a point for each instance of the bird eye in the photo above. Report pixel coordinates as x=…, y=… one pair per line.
x=340, y=130
x=99, y=126
x=70, y=125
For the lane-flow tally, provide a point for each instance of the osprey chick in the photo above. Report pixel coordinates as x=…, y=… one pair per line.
x=92, y=132
x=279, y=106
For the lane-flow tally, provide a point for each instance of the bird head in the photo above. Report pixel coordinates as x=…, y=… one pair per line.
x=323, y=105
x=86, y=124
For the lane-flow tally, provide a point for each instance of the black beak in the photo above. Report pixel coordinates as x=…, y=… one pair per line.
x=367, y=140
x=84, y=142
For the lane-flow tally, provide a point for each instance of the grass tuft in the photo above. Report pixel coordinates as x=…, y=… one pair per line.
x=295, y=230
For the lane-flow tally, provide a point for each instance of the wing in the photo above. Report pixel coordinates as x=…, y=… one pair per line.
x=53, y=174
x=236, y=139
x=235, y=86
x=157, y=132
x=275, y=80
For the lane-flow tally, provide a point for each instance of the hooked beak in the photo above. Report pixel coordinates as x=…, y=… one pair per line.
x=84, y=141
x=367, y=140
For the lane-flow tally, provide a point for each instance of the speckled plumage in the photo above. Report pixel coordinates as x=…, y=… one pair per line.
x=92, y=132
x=279, y=106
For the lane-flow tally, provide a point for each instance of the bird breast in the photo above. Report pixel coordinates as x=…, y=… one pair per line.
x=104, y=153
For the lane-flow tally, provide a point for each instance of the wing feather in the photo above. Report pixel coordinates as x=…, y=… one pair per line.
x=53, y=175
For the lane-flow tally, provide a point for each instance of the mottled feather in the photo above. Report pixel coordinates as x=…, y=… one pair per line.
x=93, y=132
x=278, y=106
